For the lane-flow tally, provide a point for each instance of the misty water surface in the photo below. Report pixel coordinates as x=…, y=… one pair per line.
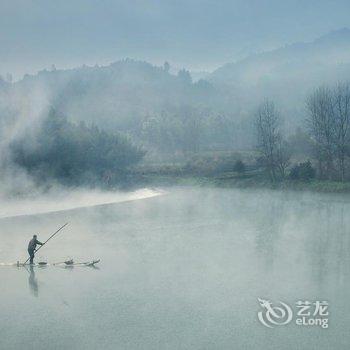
x=179, y=271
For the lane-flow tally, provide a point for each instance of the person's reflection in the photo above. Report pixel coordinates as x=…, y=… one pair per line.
x=33, y=283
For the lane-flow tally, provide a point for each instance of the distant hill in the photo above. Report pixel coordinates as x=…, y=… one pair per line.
x=327, y=52
x=287, y=74
x=122, y=95
x=117, y=95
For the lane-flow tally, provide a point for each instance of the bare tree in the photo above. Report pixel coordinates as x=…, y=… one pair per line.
x=283, y=154
x=321, y=123
x=341, y=105
x=270, y=139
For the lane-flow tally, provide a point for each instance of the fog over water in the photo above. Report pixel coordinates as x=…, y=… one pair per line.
x=61, y=198
x=181, y=270
x=147, y=131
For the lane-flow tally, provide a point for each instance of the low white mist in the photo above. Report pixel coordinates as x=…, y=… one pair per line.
x=59, y=199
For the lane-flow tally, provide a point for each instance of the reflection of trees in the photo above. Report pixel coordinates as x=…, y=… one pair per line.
x=320, y=241
x=342, y=249
x=268, y=226
x=329, y=245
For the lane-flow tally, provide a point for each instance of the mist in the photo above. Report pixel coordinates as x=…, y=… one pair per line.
x=199, y=35
x=188, y=265
x=62, y=199
x=174, y=175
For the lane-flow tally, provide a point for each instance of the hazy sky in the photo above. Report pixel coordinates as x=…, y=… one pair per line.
x=198, y=34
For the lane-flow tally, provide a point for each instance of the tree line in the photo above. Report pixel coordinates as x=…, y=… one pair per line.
x=193, y=130
x=74, y=153
x=327, y=131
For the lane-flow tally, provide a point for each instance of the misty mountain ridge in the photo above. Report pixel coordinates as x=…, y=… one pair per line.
x=287, y=75
x=122, y=94
x=117, y=95
x=332, y=49
x=160, y=113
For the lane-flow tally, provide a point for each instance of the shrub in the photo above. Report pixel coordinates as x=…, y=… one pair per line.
x=302, y=171
x=72, y=153
x=239, y=167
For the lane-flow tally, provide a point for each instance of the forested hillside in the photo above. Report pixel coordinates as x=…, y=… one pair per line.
x=114, y=115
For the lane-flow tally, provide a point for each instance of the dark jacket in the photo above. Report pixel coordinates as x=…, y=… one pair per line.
x=32, y=244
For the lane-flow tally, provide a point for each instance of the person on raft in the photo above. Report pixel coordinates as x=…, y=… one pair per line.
x=32, y=247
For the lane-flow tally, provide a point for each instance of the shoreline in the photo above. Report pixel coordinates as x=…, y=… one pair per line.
x=246, y=182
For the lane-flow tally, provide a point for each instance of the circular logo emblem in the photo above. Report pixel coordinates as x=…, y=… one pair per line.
x=274, y=315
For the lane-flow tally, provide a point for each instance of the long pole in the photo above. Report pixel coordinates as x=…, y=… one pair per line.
x=54, y=234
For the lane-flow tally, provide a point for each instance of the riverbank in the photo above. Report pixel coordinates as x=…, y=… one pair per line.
x=228, y=180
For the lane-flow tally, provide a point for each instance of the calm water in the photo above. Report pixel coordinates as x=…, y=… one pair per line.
x=180, y=271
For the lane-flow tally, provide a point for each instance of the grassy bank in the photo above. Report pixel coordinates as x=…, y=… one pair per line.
x=222, y=169
x=230, y=180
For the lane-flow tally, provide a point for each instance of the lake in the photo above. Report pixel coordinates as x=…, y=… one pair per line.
x=184, y=269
